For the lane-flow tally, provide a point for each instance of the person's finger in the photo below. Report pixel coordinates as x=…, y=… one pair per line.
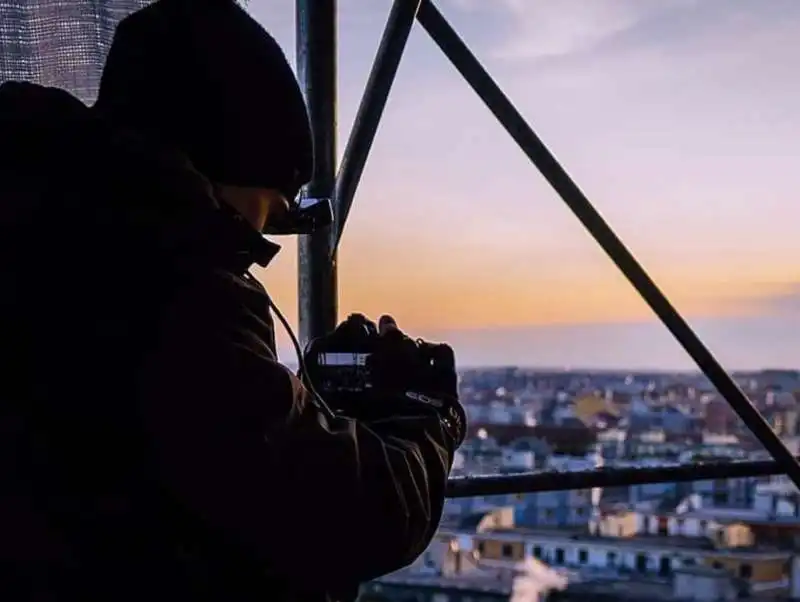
x=386, y=324
x=443, y=356
x=359, y=321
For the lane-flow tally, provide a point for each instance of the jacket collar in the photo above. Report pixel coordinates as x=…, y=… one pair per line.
x=247, y=244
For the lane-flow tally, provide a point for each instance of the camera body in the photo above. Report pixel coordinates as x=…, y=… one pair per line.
x=354, y=360
x=342, y=363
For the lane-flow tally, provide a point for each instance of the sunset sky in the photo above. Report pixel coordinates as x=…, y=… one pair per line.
x=680, y=119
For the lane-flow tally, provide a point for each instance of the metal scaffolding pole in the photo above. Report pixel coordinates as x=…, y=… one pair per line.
x=532, y=482
x=316, y=66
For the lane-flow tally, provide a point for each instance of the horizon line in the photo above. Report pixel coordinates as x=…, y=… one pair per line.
x=585, y=369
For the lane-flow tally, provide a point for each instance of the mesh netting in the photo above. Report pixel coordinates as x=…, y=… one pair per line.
x=59, y=43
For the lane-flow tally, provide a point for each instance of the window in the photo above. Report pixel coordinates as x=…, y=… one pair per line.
x=665, y=566
x=579, y=511
x=583, y=556
x=745, y=571
x=481, y=547
x=641, y=563
x=507, y=550
x=549, y=513
x=611, y=558
x=703, y=527
x=559, y=556
x=537, y=551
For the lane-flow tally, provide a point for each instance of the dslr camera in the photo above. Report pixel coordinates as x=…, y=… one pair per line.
x=345, y=362
x=346, y=366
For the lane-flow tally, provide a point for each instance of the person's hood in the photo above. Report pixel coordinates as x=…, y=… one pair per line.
x=64, y=160
x=28, y=101
x=35, y=122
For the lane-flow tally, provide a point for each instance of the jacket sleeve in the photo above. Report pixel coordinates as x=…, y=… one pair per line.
x=242, y=445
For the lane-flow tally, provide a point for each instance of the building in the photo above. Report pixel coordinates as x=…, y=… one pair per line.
x=665, y=417
x=493, y=562
x=555, y=509
x=735, y=493
x=761, y=570
x=573, y=438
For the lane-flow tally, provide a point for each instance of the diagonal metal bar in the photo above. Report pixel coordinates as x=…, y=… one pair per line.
x=510, y=118
x=373, y=102
x=533, y=482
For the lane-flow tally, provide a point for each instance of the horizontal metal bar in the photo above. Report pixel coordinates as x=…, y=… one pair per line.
x=467, y=64
x=532, y=482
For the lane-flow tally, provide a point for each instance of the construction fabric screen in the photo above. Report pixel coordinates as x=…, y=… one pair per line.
x=60, y=43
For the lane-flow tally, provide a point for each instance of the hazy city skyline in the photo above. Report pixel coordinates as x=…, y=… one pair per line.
x=678, y=120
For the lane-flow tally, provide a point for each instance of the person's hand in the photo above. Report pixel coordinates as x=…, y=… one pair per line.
x=401, y=363
x=422, y=374
x=403, y=376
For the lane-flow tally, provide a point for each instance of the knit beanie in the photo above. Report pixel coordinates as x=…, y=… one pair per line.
x=204, y=77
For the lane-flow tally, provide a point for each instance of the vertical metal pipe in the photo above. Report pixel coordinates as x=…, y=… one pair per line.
x=316, y=65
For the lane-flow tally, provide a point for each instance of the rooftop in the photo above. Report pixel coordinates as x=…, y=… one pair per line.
x=492, y=583
x=737, y=515
x=643, y=542
x=631, y=590
x=619, y=588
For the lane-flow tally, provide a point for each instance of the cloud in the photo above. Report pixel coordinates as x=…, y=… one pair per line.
x=541, y=28
x=780, y=301
x=585, y=31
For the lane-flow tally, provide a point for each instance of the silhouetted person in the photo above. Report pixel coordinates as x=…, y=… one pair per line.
x=152, y=445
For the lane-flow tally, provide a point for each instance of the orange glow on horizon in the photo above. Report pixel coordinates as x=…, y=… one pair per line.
x=444, y=291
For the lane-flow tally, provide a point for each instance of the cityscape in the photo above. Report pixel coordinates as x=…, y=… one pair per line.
x=721, y=539
x=677, y=120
